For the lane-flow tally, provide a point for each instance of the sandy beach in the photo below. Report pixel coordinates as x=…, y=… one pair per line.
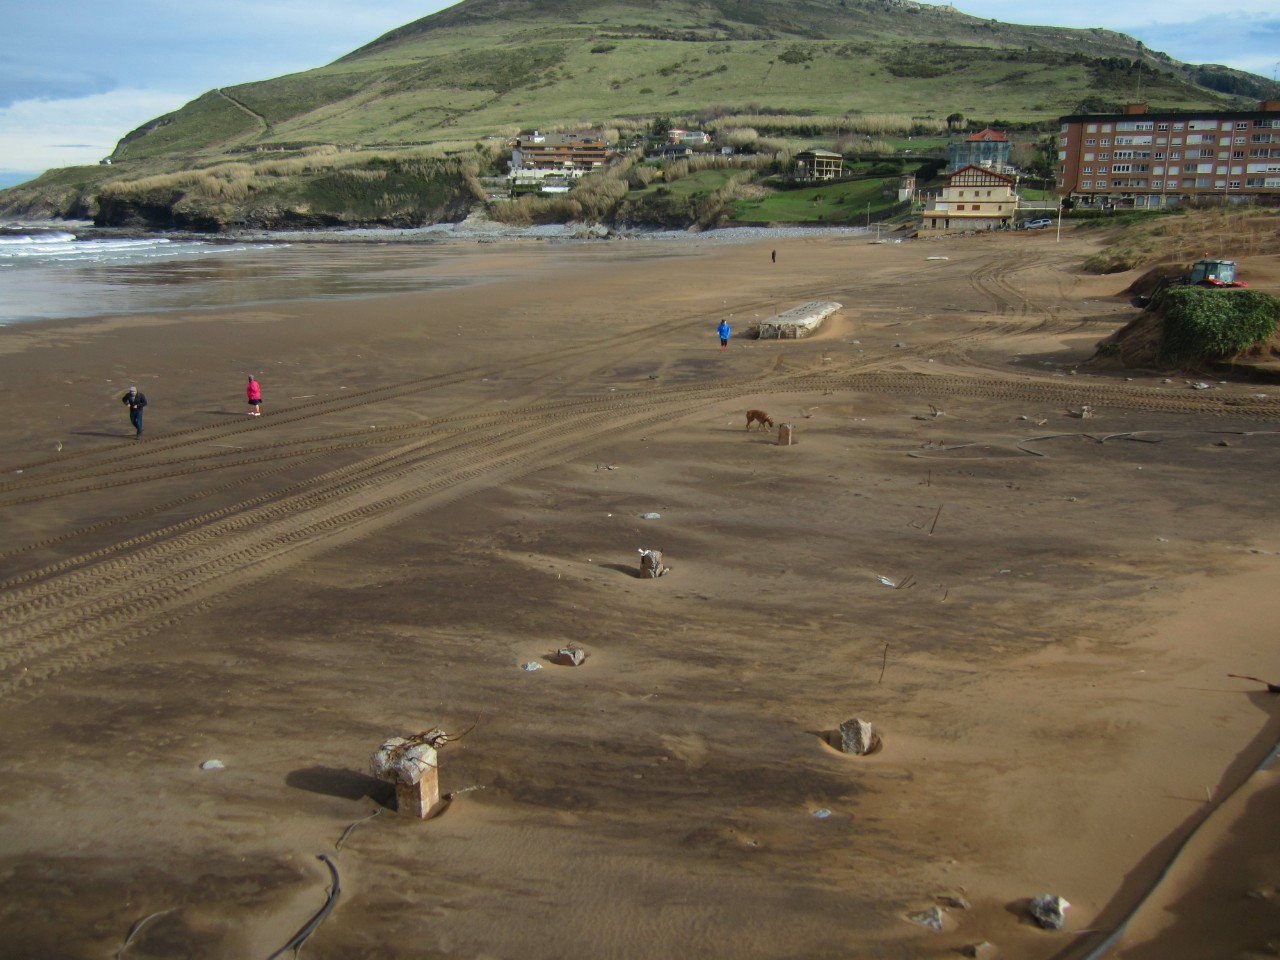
x=1038, y=611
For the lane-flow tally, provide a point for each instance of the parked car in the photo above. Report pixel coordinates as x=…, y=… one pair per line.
x=1039, y=224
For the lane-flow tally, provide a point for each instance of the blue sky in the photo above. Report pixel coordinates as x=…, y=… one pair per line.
x=76, y=76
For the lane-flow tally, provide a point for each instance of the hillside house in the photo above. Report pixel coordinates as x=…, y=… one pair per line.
x=818, y=165
x=670, y=151
x=972, y=198
x=695, y=138
x=986, y=148
x=538, y=155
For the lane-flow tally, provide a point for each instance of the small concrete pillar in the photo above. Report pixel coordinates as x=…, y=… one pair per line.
x=413, y=766
x=651, y=564
x=857, y=736
x=784, y=434
x=570, y=656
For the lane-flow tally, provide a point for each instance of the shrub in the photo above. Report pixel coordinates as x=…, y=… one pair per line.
x=1207, y=324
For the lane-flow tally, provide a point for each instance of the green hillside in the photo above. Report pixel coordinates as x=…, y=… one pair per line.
x=801, y=73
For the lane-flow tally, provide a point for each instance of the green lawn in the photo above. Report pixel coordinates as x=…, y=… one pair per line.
x=844, y=203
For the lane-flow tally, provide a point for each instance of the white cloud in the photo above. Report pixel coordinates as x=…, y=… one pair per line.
x=40, y=134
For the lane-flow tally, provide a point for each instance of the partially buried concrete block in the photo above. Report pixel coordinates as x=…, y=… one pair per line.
x=412, y=765
x=651, y=564
x=570, y=656
x=784, y=435
x=857, y=736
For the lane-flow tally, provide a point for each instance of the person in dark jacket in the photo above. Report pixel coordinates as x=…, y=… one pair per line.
x=135, y=401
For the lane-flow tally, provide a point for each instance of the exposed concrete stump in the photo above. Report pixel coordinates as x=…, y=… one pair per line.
x=858, y=737
x=1049, y=911
x=570, y=656
x=784, y=435
x=651, y=565
x=413, y=766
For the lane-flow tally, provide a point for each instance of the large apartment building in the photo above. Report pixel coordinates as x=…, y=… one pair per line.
x=1144, y=159
x=569, y=154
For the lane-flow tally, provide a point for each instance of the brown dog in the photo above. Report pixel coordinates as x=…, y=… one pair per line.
x=760, y=417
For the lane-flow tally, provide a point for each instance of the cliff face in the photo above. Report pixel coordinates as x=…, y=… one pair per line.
x=378, y=193
x=158, y=215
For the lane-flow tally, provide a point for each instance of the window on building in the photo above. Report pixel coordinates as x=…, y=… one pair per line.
x=1237, y=154
x=1235, y=184
x=1104, y=142
x=1242, y=124
x=1179, y=126
x=1102, y=184
x=1159, y=155
x=1204, y=181
x=1253, y=181
x=1157, y=184
x=1162, y=126
x=1086, y=184
x=1091, y=142
x=1088, y=170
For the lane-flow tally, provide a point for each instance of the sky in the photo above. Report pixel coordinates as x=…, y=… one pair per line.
x=76, y=75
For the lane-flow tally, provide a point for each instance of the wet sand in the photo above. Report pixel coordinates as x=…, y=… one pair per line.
x=446, y=486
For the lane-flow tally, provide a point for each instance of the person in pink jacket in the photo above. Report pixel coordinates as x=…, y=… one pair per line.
x=254, y=393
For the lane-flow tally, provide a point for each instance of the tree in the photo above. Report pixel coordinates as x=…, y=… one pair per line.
x=954, y=120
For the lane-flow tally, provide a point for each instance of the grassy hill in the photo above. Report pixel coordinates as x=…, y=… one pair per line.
x=453, y=86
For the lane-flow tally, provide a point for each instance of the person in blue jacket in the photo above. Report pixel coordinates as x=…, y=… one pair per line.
x=723, y=330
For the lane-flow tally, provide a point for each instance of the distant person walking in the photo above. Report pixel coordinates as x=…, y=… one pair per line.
x=135, y=401
x=774, y=254
x=723, y=331
x=254, y=392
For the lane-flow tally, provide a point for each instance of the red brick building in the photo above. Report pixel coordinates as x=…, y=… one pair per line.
x=1144, y=159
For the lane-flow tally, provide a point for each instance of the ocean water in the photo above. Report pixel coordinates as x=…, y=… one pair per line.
x=59, y=272
x=48, y=274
